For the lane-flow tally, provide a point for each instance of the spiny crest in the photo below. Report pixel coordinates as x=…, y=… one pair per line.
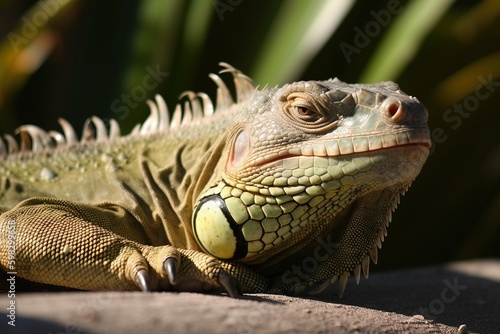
x=192, y=107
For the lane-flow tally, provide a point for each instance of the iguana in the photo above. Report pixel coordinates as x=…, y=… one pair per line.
x=282, y=190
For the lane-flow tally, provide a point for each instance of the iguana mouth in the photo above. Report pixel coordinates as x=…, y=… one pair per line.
x=340, y=147
x=278, y=158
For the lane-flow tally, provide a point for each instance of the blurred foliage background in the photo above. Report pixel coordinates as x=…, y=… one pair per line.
x=73, y=59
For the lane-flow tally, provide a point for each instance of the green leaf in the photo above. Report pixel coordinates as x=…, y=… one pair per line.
x=299, y=31
x=403, y=39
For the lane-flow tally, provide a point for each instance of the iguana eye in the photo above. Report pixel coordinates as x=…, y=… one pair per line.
x=303, y=111
x=304, y=114
x=308, y=112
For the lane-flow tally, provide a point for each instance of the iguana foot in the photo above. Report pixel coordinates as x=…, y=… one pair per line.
x=184, y=270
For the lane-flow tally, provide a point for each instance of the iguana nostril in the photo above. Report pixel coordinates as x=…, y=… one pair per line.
x=395, y=111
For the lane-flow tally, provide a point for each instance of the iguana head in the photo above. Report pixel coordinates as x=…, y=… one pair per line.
x=313, y=163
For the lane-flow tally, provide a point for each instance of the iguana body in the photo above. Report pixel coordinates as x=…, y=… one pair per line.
x=285, y=190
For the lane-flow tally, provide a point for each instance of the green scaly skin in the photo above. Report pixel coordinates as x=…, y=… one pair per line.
x=285, y=190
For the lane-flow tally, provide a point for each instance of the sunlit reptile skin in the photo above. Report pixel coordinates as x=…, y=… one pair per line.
x=284, y=190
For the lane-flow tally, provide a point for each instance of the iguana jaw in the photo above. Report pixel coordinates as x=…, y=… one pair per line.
x=341, y=146
x=260, y=218
x=337, y=236
x=277, y=159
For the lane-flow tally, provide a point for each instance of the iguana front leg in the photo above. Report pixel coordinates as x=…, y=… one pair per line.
x=89, y=248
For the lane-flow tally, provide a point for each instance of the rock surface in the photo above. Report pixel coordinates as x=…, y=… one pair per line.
x=460, y=297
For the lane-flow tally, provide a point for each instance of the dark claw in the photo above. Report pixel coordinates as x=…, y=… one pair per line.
x=170, y=266
x=229, y=284
x=142, y=280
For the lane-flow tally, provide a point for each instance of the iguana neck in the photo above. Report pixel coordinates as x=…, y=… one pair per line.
x=176, y=180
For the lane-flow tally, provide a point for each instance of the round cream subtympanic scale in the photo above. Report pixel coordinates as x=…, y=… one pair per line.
x=216, y=231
